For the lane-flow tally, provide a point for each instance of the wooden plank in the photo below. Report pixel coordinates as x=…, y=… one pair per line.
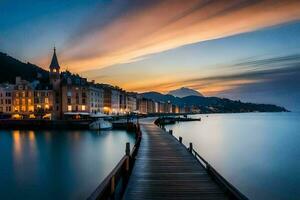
x=164, y=169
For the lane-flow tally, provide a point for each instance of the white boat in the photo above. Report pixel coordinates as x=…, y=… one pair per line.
x=100, y=124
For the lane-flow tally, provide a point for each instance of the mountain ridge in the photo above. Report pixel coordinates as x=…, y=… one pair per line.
x=14, y=67
x=184, y=92
x=214, y=104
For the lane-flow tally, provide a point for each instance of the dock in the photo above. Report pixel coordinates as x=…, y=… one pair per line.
x=164, y=169
x=161, y=167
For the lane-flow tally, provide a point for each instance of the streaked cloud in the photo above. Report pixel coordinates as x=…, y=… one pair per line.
x=251, y=72
x=141, y=29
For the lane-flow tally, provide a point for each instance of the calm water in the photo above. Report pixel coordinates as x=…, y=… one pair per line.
x=57, y=165
x=259, y=153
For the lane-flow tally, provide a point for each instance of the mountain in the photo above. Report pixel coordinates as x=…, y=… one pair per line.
x=184, y=92
x=11, y=67
x=214, y=104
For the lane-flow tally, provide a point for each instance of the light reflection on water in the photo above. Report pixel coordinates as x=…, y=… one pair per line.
x=57, y=164
x=259, y=153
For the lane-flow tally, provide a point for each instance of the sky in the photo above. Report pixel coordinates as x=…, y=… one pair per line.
x=247, y=50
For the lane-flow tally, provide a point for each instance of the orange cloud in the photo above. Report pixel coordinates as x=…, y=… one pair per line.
x=170, y=24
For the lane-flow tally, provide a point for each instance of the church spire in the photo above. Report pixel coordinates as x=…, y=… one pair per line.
x=54, y=62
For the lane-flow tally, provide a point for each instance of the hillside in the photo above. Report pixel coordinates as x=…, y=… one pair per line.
x=11, y=67
x=214, y=104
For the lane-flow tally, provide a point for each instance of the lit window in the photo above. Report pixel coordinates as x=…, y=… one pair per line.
x=83, y=107
x=46, y=100
x=47, y=106
x=17, y=108
x=31, y=108
x=31, y=116
x=69, y=108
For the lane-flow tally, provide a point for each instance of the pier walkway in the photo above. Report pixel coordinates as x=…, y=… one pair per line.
x=166, y=170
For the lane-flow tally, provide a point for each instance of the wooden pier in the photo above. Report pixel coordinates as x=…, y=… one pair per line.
x=165, y=169
x=161, y=167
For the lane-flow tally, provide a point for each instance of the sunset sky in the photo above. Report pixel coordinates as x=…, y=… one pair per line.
x=248, y=50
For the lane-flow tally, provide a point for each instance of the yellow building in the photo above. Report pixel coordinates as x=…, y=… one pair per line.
x=28, y=102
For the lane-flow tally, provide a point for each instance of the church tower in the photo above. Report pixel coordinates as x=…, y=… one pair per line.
x=54, y=76
x=54, y=69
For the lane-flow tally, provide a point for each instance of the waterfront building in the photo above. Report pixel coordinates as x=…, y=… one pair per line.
x=31, y=100
x=111, y=100
x=23, y=99
x=131, y=104
x=44, y=102
x=168, y=107
x=156, y=107
x=96, y=99
x=182, y=109
x=150, y=106
x=75, y=95
x=6, y=98
x=123, y=99
x=115, y=101
x=142, y=105
x=175, y=109
x=161, y=107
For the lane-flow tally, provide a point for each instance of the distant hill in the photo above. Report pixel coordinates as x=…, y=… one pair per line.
x=184, y=92
x=214, y=104
x=11, y=67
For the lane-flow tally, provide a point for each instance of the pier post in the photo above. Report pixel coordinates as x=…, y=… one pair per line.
x=112, y=185
x=127, y=151
x=171, y=132
x=191, y=147
x=180, y=139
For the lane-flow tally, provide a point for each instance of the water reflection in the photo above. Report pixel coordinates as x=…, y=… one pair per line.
x=57, y=164
x=256, y=152
x=17, y=145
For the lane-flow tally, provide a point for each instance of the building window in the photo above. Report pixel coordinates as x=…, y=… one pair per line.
x=17, y=108
x=69, y=100
x=69, y=108
x=83, y=107
x=46, y=100
x=31, y=108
